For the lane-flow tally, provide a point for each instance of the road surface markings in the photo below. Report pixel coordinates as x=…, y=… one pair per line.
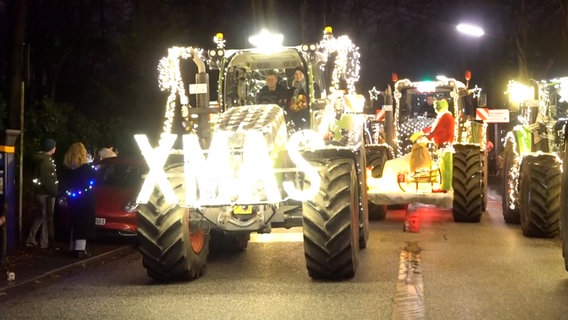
x=408, y=302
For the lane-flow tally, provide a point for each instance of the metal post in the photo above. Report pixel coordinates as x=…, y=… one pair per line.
x=8, y=188
x=21, y=168
x=204, y=130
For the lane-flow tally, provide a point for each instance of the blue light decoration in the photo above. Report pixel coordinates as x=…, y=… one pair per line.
x=74, y=193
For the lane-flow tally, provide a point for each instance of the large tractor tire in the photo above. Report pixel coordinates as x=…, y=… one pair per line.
x=467, y=183
x=172, y=248
x=485, y=180
x=564, y=207
x=330, y=221
x=540, y=186
x=509, y=190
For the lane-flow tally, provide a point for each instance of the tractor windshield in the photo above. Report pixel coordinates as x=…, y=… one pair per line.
x=247, y=71
x=415, y=103
x=558, y=100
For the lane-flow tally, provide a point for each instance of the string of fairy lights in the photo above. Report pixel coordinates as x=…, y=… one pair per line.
x=170, y=79
x=74, y=193
x=345, y=72
x=347, y=65
x=512, y=176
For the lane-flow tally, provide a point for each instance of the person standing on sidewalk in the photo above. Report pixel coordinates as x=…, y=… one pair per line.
x=45, y=191
x=78, y=181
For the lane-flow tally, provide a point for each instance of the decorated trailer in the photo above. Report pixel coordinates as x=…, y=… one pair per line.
x=252, y=161
x=453, y=175
x=533, y=154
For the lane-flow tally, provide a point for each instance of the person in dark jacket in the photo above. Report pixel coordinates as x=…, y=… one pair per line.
x=78, y=181
x=273, y=92
x=45, y=191
x=427, y=108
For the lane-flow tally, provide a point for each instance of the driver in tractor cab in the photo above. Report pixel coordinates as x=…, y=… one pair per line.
x=427, y=108
x=442, y=130
x=273, y=92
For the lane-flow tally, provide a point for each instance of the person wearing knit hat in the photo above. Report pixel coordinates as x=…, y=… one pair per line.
x=45, y=190
x=298, y=114
x=48, y=144
x=299, y=81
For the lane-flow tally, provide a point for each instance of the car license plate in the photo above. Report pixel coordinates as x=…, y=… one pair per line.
x=100, y=221
x=243, y=210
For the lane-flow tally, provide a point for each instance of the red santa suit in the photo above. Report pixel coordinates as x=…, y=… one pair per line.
x=442, y=130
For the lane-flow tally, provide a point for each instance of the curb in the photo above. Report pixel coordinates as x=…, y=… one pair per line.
x=49, y=277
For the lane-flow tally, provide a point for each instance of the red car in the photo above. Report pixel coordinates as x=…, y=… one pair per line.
x=117, y=185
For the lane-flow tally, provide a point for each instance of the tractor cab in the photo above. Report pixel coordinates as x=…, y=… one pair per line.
x=243, y=76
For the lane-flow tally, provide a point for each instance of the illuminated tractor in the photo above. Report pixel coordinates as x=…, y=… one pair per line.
x=456, y=176
x=533, y=153
x=564, y=201
x=249, y=163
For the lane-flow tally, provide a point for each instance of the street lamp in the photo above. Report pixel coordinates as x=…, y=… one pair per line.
x=470, y=30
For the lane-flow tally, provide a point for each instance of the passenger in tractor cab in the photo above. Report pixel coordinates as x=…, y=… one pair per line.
x=297, y=111
x=442, y=130
x=273, y=92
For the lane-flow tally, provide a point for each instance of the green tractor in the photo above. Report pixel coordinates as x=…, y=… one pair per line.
x=533, y=154
x=248, y=162
x=457, y=173
x=564, y=202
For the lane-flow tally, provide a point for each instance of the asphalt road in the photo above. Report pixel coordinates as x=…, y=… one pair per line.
x=485, y=270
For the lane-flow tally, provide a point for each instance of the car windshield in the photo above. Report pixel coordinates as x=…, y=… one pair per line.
x=120, y=175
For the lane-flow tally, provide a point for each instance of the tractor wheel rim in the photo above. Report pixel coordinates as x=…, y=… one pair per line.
x=196, y=240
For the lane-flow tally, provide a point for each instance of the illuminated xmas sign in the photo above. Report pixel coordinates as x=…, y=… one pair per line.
x=220, y=179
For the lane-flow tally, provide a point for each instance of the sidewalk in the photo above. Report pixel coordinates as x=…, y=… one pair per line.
x=33, y=269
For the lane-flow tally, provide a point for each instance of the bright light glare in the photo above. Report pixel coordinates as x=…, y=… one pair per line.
x=267, y=40
x=470, y=30
x=249, y=181
x=519, y=92
x=426, y=86
x=298, y=138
